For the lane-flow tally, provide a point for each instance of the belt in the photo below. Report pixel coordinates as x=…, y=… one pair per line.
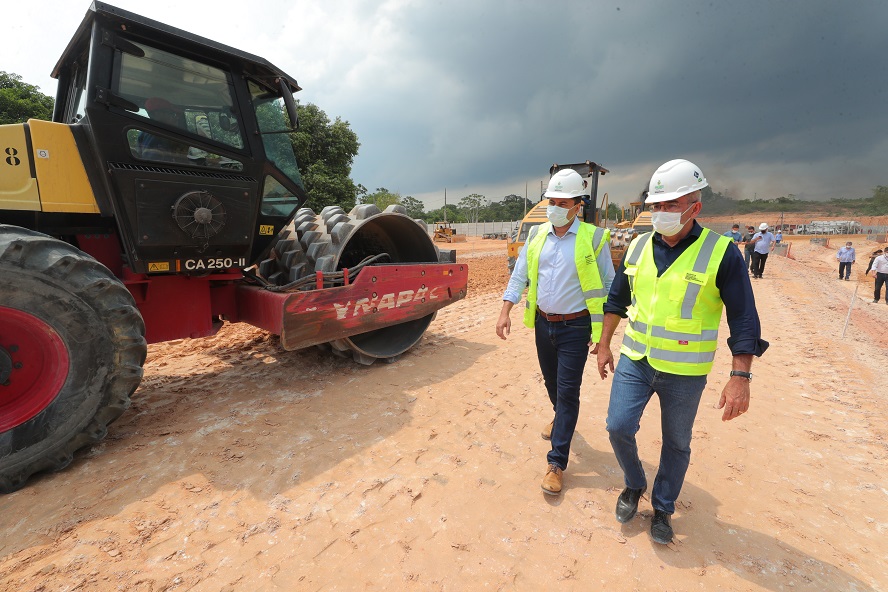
x=556, y=318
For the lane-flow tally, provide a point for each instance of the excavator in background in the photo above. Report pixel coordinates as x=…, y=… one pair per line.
x=163, y=199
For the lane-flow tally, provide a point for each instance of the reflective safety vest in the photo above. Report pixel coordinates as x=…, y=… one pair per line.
x=589, y=242
x=674, y=318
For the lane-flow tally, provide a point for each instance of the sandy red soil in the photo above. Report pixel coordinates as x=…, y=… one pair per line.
x=244, y=467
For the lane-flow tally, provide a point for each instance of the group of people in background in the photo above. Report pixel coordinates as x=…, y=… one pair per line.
x=756, y=246
x=877, y=267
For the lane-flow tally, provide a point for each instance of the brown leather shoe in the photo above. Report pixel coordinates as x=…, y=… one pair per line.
x=547, y=431
x=552, y=481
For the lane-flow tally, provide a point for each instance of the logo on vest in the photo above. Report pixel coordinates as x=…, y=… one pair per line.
x=695, y=278
x=590, y=259
x=682, y=342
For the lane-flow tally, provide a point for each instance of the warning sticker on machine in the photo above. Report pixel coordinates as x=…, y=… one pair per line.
x=266, y=229
x=158, y=266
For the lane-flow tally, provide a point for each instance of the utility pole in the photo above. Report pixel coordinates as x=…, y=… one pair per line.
x=445, y=204
x=525, y=198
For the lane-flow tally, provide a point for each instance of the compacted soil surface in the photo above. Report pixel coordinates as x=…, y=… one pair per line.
x=241, y=466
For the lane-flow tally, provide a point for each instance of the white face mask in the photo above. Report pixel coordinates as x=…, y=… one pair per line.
x=668, y=223
x=558, y=216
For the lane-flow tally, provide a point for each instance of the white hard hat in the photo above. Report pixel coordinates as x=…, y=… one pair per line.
x=763, y=226
x=566, y=183
x=674, y=179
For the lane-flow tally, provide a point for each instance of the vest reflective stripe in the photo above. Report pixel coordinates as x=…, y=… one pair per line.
x=700, y=264
x=602, y=293
x=669, y=355
x=587, y=246
x=663, y=326
x=636, y=247
x=705, y=335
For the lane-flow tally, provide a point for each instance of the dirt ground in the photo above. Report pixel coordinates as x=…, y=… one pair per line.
x=244, y=467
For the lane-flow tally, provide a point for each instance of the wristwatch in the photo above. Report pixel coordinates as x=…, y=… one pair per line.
x=746, y=375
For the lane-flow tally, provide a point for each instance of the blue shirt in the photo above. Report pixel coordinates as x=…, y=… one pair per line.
x=763, y=245
x=734, y=235
x=558, y=290
x=731, y=280
x=846, y=255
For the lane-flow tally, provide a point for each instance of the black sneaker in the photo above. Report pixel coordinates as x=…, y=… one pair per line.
x=661, y=529
x=627, y=503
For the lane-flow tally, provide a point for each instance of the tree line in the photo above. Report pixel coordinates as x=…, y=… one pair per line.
x=720, y=204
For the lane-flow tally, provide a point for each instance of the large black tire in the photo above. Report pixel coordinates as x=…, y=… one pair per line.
x=333, y=240
x=65, y=318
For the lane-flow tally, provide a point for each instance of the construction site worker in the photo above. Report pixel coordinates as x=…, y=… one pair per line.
x=875, y=254
x=672, y=284
x=734, y=233
x=880, y=270
x=763, y=244
x=748, y=245
x=567, y=269
x=846, y=256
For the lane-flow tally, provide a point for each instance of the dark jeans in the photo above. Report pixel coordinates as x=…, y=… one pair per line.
x=633, y=385
x=562, y=349
x=747, y=255
x=844, y=270
x=758, y=263
x=881, y=278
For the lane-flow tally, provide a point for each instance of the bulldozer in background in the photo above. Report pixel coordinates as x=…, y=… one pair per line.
x=162, y=199
x=444, y=232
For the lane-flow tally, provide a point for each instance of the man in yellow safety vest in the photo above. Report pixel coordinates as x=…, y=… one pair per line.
x=566, y=266
x=673, y=284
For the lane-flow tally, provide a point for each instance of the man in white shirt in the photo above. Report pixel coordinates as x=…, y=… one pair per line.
x=764, y=244
x=880, y=270
x=566, y=266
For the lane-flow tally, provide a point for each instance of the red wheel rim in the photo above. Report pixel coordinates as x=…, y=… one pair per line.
x=39, y=366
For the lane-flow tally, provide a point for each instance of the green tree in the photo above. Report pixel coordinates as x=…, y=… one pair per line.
x=415, y=208
x=471, y=206
x=453, y=214
x=20, y=101
x=325, y=151
x=513, y=207
x=382, y=198
x=613, y=212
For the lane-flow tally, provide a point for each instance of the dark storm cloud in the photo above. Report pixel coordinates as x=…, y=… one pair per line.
x=768, y=97
x=505, y=91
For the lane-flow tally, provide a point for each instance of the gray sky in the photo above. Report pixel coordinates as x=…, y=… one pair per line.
x=767, y=97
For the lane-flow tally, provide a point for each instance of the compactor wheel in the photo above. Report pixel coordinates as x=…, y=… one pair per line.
x=72, y=345
x=332, y=240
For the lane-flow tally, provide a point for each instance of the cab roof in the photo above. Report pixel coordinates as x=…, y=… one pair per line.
x=120, y=19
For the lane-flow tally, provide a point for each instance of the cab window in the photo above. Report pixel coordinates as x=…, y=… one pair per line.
x=180, y=93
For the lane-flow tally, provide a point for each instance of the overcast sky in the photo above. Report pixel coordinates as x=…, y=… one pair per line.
x=769, y=98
